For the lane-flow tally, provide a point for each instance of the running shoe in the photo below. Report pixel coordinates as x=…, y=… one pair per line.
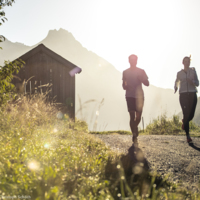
x=189, y=140
x=135, y=143
x=134, y=138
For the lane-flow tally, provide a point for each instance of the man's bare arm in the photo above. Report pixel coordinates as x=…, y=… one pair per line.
x=124, y=85
x=146, y=82
x=144, y=78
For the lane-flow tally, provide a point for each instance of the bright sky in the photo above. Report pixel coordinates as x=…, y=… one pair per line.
x=160, y=32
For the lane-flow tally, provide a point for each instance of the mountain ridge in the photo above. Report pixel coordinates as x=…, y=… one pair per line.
x=98, y=80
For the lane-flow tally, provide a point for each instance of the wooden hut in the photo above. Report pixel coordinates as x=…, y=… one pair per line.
x=45, y=70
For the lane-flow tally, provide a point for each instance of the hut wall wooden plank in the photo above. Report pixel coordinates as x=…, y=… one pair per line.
x=49, y=69
x=41, y=70
x=65, y=85
x=33, y=61
x=59, y=81
x=54, y=71
x=36, y=73
x=27, y=69
x=51, y=76
x=48, y=73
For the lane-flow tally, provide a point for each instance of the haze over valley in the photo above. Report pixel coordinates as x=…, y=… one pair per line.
x=99, y=82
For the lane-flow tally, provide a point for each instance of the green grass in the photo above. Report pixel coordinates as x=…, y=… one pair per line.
x=159, y=126
x=43, y=157
x=170, y=126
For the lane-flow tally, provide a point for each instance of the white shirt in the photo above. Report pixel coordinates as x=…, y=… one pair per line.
x=183, y=84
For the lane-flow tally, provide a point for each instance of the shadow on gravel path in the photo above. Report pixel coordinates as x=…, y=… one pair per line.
x=194, y=147
x=166, y=154
x=137, y=157
x=134, y=174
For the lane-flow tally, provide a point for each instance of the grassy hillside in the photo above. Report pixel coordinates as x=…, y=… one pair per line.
x=45, y=156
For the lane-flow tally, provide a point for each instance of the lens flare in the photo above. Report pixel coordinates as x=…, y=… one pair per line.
x=46, y=145
x=33, y=165
x=55, y=130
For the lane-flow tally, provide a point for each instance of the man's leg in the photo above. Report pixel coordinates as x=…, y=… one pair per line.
x=139, y=108
x=138, y=119
x=132, y=121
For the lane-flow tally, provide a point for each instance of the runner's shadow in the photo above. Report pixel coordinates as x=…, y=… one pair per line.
x=194, y=147
x=134, y=168
x=136, y=157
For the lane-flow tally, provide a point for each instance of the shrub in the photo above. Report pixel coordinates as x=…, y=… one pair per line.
x=162, y=125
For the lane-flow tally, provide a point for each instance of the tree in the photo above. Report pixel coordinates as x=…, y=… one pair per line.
x=3, y=4
x=6, y=71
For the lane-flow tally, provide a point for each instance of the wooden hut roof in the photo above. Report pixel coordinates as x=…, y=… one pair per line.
x=43, y=48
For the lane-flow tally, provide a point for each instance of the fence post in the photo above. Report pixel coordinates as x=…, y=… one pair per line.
x=25, y=87
x=143, y=123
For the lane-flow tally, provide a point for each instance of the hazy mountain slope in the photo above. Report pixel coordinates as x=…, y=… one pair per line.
x=99, y=80
x=197, y=113
x=12, y=51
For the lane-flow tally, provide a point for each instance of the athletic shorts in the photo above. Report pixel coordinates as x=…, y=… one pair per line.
x=135, y=104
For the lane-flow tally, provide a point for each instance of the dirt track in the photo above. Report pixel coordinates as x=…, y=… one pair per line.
x=166, y=154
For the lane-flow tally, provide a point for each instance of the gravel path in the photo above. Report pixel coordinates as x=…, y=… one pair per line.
x=165, y=154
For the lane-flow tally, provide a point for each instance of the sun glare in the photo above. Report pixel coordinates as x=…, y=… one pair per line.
x=55, y=130
x=46, y=145
x=33, y=165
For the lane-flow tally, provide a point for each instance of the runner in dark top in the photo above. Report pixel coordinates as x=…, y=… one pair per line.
x=133, y=78
x=187, y=81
